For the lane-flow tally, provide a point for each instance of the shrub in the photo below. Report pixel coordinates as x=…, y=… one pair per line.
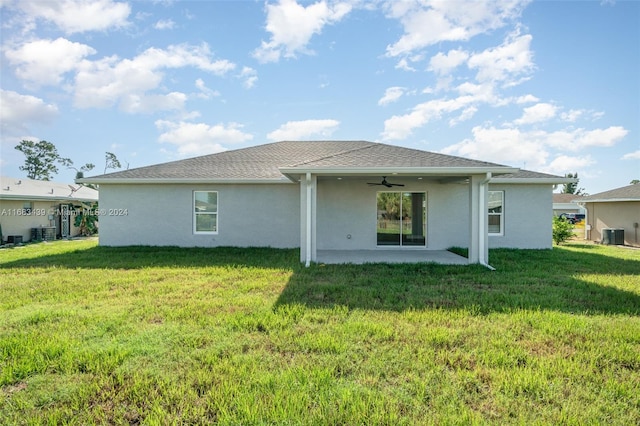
x=562, y=230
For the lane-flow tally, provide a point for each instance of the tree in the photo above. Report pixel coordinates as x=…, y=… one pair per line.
x=572, y=188
x=635, y=182
x=111, y=161
x=562, y=230
x=86, y=218
x=41, y=159
x=85, y=168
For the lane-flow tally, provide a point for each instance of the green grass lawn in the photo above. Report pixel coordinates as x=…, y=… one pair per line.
x=145, y=335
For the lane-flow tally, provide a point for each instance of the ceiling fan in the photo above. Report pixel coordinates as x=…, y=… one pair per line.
x=385, y=183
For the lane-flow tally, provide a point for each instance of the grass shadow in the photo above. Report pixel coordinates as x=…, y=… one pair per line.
x=525, y=279
x=139, y=257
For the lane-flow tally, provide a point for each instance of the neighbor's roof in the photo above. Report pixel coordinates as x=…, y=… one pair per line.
x=33, y=190
x=284, y=161
x=626, y=193
x=528, y=176
x=566, y=198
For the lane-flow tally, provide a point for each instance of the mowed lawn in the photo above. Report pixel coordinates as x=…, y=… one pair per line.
x=152, y=336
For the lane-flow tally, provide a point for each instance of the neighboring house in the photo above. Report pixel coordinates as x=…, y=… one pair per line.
x=329, y=196
x=563, y=204
x=40, y=209
x=617, y=209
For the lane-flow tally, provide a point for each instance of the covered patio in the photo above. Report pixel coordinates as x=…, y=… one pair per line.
x=358, y=257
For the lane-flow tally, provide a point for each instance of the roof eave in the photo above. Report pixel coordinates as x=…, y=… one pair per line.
x=150, y=181
x=550, y=181
x=406, y=171
x=44, y=198
x=607, y=200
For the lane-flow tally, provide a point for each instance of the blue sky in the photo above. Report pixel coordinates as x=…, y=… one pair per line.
x=547, y=86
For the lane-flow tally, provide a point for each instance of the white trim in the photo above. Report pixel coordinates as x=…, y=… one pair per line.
x=405, y=171
x=550, y=181
x=424, y=224
x=609, y=200
x=308, y=228
x=502, y=215
x=140, y=181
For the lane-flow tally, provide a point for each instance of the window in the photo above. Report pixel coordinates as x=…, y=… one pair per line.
x=27, y=206
x=496, y=210
x=402, y=219
x=205, y=211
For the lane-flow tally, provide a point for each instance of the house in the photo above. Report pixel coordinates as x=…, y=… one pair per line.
x=332, y=199
x=41, y=210
x=617, y=211
x=563, y=204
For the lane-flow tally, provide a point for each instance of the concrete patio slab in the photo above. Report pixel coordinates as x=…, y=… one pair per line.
x=359, y=257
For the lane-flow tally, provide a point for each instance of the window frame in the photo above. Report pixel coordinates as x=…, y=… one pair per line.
x=196, y=214
x=500, y=215
x=27, y=207
x=425, y=219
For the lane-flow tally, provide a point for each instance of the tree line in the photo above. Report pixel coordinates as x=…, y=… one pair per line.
x=42, y=160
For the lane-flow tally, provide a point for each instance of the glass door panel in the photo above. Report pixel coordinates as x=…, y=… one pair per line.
x=388, y=227
x=413, y=219
x=401, y=219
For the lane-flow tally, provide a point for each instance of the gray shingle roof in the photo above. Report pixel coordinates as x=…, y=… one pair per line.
x=28, y=189
x=626, y=193
x=262, y=161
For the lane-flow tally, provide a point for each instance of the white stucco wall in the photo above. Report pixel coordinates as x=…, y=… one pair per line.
x=263, y=215
x=347, y=207
x=274, y=215
x=528, y=217
x=15, y=222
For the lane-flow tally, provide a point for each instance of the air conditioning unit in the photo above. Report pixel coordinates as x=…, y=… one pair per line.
x=613, y=236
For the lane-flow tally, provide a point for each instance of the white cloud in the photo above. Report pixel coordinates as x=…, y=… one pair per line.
x=249, y=76
x=18, y=111
x=504, y=146
x=292, y=26
x=77, y=16
x=110, y=80
x=563, y=164
x=305, y=129
x=165, y=24
x=516, y=147
x=145, y=104
x=205, y=92
x=402, y=126
x=537, y=113
x=632, y=155
x=392, y=94
x=505, y=62
x=403, y=64
x=194, y=139
x=428, y=23
x=444, y=64
x=467, y=114
x=46, y=61
x=572, y=115
x=526, y=99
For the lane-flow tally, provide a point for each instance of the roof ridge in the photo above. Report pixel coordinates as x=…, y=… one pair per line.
x=370, y=144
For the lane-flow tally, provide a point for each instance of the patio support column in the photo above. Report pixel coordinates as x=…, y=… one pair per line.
x=474, y=218
x=478, y=219
x=308, y=216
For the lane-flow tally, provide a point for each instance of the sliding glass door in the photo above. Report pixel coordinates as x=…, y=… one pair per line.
x=402, y=219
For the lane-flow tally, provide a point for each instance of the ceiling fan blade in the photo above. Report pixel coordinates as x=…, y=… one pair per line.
x=396, y=184
x=372, y=183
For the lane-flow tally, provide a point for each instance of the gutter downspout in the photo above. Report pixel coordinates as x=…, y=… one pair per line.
x=308, y=230
x=587, y=226
x=481, y=228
